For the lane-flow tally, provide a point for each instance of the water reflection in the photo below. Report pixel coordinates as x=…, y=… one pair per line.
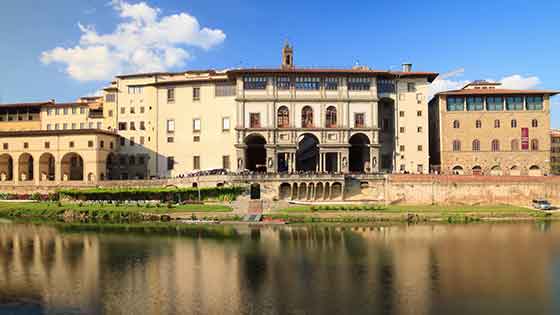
x=421, y=269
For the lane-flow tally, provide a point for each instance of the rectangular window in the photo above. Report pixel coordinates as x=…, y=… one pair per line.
x=73, y=125
x=494, y=103
x=455, y=104
x=170, y=95
x=5, y=146
x=170, y=163
x=196, y=94
x=420, y=168
x=110, y=97
x=254, y=83
x=131, y=141
x=122, y=140
x=123, y=110
x=196, y=162
x=99, y=125
x=170, y=139
x=122, y=125
x=47, y=145
x=90, y=144
x=385, y=86
x=401, y=129
x=132, y=110
x=101, y=144
x=82, y=110
x=26, y=145
x=56, y=127
x=254, y=120
x=196, y=124
x=82, y=126
x=142, y=140
x=420, y=148
x=401, y=148
x=49, y=112
x=170, y=125
x=359, y=84
x=411, y=87
x=225, y=123
x=401, y=113
x=331, y=84
x=225, y=162
x=419, y=113
x=534, y=102
x=196, y=139
x=359, y=120
x=74, y=110
x=132, y=126
x=514, y=103
x=475, y=103
x=57, y=111
x=48, y=126
x=64, y=126
x=142, y=109
x=65, y=111
x=308, y=83
x=142, y=125
x=283, y=83
x=419, y=129
x=224, y=89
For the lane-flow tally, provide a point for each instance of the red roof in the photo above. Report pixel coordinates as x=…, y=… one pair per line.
x=496, y=92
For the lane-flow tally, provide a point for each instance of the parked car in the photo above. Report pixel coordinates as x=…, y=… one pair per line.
x=541, y=204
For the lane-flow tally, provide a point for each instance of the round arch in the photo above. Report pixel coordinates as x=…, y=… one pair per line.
x=359, y=153
x=535, y=170
x=255, y=153
x=477, y=170
x=307, y=154
x=458, y=170
x=72, y=167
x=496, y=170
x=46, y=167
x=285, y=191
x=515, y=171
x=6, y=167
x=25, y=167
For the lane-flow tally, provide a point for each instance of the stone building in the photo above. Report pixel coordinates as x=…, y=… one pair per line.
x=555, y=151
x=483, y=129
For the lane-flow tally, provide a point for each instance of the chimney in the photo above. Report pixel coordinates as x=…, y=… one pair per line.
x=406, y=67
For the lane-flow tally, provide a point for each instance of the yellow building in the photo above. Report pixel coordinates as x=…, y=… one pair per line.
x=483, y=129
x=555, y=151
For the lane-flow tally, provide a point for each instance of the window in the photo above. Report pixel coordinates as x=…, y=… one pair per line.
x=456, y=145
x=170, y=163
x=534, y=102
x=132, y=126
x=401, y=113
x=455, y=104
x=74, y=110
x=283, y=117
x=196, y=94
x=142, y=109
x=283, y=83
x=142, y=125
x=26, y=145
x=225, y=162
x=170, y=140
x=420, y=168
x=514, y=145
x=82, y=110
x=48, y=126
x=385, y=86
x=196, y=162
x=307, y=83
x=307, y=117
x=475, y=103
x=225, y=124
x=331, y=84
x=90, y=144
x=196, y=124
x=514, y=103
x=419, y=129
x=56, y=127
x=196, y=138
x=131, y=141
x=495, y=145
x=478, y=123
x=122, y=140
x=411, y=87
x=170, y=95
x=476, y=145
x=359, y=84
x=110, y=97
x=254, y=83
x=331, y=117
x=99, y=125
x=90, y=125
x=359, y=121
x=497, y=123
x=419, y=113
x=57, y=111
x=513, y=123
x=420, y=148
x=495, y=103
x=71, y=144
x=534, y=123
x=73, y=125
x=401, y=129
x=123, y=110
x=401, y=148
x=534, y=145
x=171, y=126
x=122, y=126
x=132, y=111
x=142, y=140
x=224, y=89
x=83, y=124
x=47, y=145
x=402, y=167
x=101, y=144
x=254, y=120
x=49, y=112
x=64, y=126
x=65, y=111
x=456, y=124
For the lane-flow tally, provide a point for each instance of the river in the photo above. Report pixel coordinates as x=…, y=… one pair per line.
x=505, y=268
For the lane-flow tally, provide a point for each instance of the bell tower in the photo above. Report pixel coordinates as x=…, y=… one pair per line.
x=287, y=56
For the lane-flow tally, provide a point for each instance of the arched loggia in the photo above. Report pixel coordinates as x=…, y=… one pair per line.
x=307, y=154
x=359, y=153
x=255, y=154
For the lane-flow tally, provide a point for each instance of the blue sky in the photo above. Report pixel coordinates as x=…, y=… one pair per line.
x=63, y=49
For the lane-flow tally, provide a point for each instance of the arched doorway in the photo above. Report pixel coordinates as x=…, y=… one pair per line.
x=535, y=171
x=25, y=164
x=285, y=191
x=72, y=167
x=359, y=153
x=255, y=154
x=386, y=123
x=458, y=170
x=6, y=167
x=477, y=170
x=46, y=167
x=307, y=153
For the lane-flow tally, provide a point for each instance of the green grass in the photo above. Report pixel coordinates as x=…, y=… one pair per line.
x=504, y=209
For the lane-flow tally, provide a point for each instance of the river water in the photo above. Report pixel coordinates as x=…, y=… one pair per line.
x=320, y=269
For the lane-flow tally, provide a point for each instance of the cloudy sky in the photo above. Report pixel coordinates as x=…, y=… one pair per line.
x=64, y=49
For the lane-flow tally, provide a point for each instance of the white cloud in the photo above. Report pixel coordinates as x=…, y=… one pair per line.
x=144, y=41
x=518, y=82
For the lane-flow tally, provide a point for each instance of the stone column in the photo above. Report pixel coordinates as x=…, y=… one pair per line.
x=344, y=161
x=36, y=172
x=240, y=161
x=271, y=160
x=374, y=159
x=15, y=172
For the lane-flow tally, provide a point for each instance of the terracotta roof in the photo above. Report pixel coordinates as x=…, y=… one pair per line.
x=496, y=92
x=68, y=132
x=31, y=104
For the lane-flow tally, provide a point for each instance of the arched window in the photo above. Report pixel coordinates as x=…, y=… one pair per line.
x=534, y=145
x=331, y=117
x=496, y=123
x=514, y=145
x=456, y=145
x=478, y=124
x=307, y=117
x=283, y=117
x=456, y=124
x=513, y=123
x=534, y=123
x=476, y=145
x=495, y=145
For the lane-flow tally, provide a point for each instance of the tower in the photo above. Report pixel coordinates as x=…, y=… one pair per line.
x=287, y=56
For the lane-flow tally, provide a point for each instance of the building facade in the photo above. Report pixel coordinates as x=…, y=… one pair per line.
x=483, y=129
x=555, y=151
